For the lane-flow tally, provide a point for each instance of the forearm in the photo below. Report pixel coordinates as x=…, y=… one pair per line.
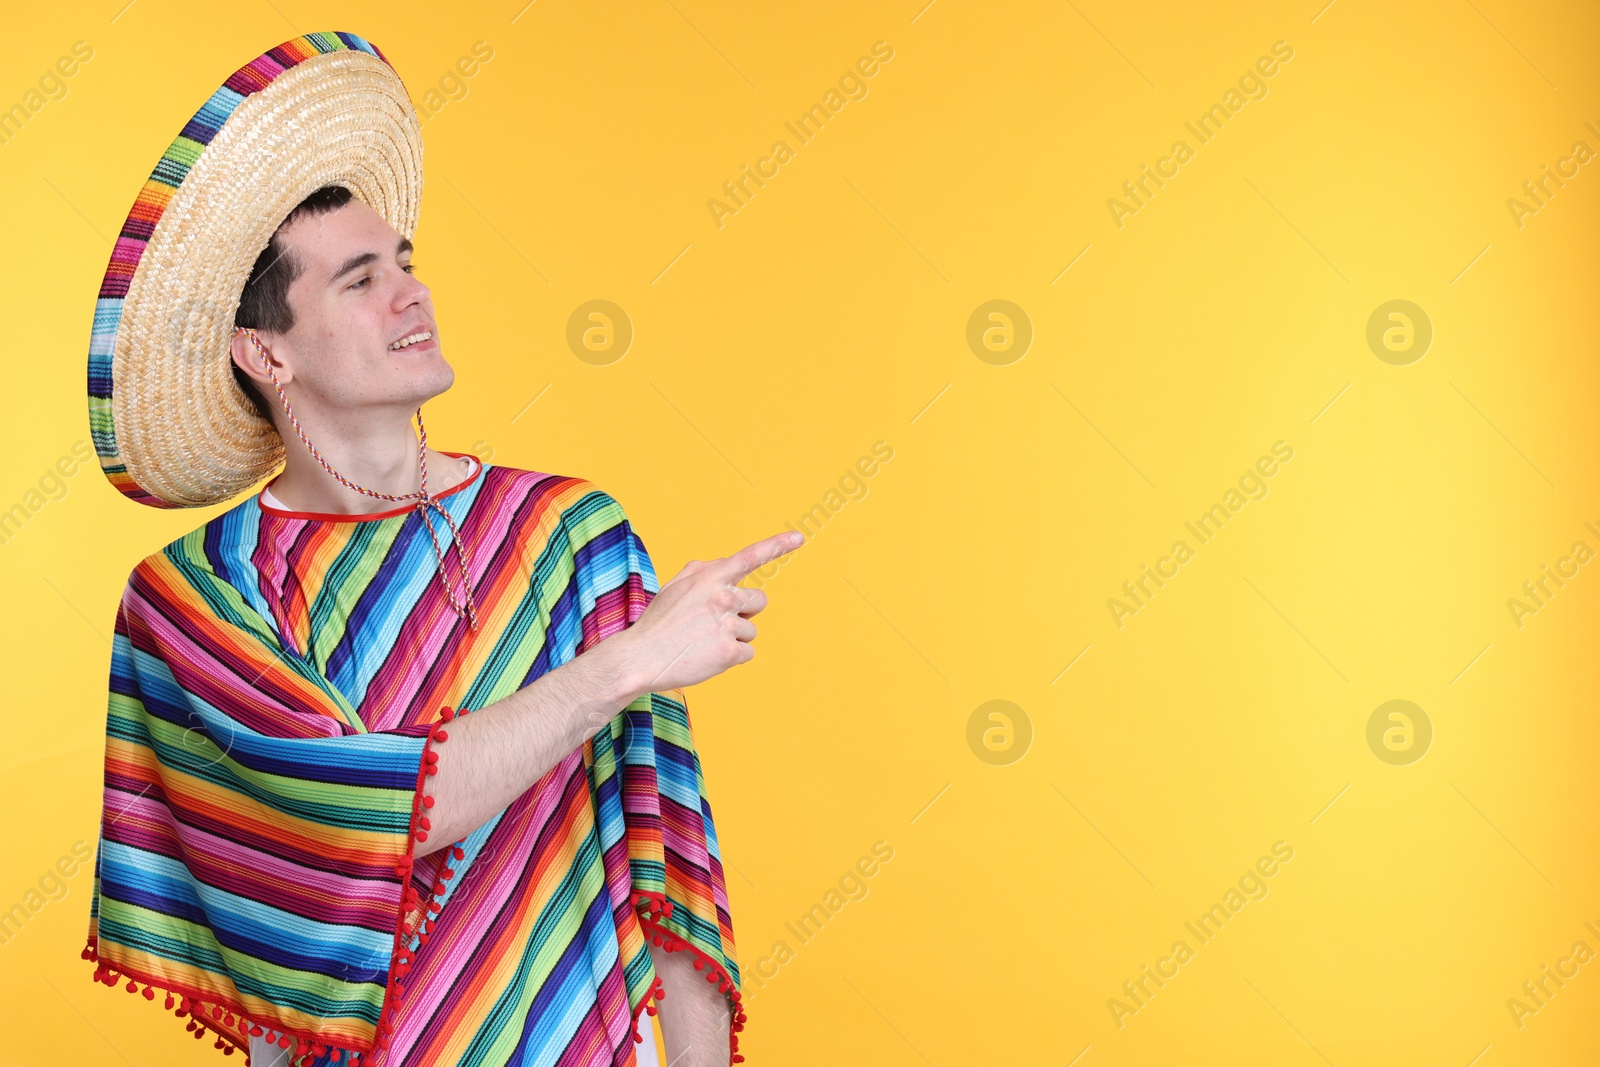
x=491, y=756
x=694, y=1014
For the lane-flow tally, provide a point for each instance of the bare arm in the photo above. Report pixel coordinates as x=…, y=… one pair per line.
x=694, y=1015
x=697, y=626
x=491, y=756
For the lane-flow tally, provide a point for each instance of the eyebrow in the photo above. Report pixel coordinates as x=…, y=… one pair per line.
x=361, y=259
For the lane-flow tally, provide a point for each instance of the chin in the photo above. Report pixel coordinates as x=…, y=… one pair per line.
x=434, y=377
x=421, y=387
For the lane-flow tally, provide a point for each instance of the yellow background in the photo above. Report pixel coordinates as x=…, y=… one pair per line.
x=830, y=313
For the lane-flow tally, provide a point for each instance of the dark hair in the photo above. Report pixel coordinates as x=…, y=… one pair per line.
x=264, y=303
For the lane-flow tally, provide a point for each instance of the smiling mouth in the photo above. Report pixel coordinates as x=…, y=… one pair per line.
x=415, y=340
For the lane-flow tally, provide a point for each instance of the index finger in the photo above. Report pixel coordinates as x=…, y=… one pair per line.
x=753, y=557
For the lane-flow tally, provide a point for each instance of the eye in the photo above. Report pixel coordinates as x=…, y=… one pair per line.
x=408, y=268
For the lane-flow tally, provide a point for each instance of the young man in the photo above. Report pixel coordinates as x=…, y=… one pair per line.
x=294, y=848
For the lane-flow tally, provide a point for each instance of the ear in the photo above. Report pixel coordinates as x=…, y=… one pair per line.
x=249, y=359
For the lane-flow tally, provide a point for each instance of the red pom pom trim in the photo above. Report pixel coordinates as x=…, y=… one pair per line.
x=652, y=908
x=404, y=958
x=231, y=1022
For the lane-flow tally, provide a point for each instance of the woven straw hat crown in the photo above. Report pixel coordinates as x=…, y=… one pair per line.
x=168, y=419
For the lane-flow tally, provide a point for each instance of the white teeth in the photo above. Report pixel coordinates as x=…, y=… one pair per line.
x=406, y=342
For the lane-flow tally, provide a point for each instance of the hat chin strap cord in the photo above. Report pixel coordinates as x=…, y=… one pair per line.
x=463, y=606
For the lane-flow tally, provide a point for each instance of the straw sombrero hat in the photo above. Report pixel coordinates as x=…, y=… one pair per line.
x=169, y=421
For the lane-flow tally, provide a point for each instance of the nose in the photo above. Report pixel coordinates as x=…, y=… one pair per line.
x=409, y=290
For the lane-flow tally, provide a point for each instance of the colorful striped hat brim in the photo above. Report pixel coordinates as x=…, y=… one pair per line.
x=168, y=420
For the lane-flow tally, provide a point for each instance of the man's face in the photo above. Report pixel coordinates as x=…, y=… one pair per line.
x=355, y=297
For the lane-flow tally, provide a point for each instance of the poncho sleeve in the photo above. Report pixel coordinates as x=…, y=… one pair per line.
x=256, y=842
x=679, y=891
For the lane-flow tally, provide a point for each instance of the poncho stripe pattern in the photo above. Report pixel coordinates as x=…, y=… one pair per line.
x=280, y=689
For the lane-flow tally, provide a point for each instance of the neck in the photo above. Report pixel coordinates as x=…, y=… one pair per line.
x=381, y=459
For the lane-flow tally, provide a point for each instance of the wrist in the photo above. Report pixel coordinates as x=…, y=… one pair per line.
x=617, y=672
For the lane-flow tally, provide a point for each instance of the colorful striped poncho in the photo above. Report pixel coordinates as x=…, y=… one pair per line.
x=277, y=681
